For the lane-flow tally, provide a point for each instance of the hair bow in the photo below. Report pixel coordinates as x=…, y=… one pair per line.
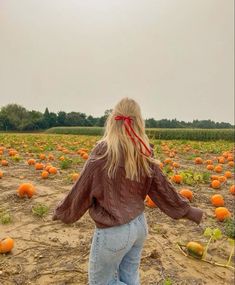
x=127, y=123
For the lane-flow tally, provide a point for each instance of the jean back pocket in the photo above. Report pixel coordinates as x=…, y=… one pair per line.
x=117, y=238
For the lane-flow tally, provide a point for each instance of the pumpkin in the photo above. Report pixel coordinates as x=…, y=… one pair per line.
x=176, y=164
x=31, y=161
x=222, y=213
x=214, y=177
x=218, y=168
x=26, y=189
x=150, y=202
x=209, y=162
x=85, y=156
x=230, y=158
x=232, y=189
x=167, y=161
x=4, y=162
x=217, y=200
x=6, y=245
x=75, y=176
x=39, y=166
x=228, y=174
x=222, y=178
x=52, y=170
x=221, y=160
x=177, y=178
x=186, y=193
x=195, y=249
x=231, y=163
x=51, y=157
x=1, y=174
x=42, y=156
x=198, y=160
x=210, y=167
x=44, y=174
x=215, y=184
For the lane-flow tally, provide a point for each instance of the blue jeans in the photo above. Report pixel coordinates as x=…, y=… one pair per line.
x=116, y=253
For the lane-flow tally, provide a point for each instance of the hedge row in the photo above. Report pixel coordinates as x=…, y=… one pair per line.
x=165, y=134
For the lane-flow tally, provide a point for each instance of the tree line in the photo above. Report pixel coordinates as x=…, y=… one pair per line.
x=14, y=117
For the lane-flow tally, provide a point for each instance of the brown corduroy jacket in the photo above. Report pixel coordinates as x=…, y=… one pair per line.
x=113, y=202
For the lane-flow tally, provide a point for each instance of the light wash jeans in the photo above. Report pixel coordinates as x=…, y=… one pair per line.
x=116, y=252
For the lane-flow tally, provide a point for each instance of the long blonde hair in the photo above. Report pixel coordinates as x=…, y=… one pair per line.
x=119, y=143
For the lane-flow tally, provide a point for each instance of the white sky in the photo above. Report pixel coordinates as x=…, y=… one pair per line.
x=174, y=57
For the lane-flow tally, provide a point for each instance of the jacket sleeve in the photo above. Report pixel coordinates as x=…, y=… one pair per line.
x=79, y=198
x=169, y=201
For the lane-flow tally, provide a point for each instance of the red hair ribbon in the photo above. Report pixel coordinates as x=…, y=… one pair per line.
x=127, y=122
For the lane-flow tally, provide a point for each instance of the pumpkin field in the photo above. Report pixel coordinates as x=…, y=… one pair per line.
x=38, y=170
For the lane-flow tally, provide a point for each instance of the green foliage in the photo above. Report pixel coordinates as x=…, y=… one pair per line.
x=5, y=217
x=64, y=164
x=40, y=209
x=230, y=227
x=167, y=282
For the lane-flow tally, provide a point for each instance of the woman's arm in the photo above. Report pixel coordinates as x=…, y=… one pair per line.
x=169, y=201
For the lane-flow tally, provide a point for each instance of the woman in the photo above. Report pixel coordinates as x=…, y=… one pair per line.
x=113, y=185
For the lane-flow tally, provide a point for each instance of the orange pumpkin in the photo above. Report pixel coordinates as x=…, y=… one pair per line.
x=228, y=174
x=26, y=189
x=218, y=168
x=217, y=200
x=176, y=164
x=222, y=178
x=85, y=156
x=150, y=202
x=231, y=163
x=6, y=245
x=209, y=162
x=75, y=176
x=42, y=156
x=39, y=166
x=210, y=167
x=198, y=160
x=232, y=189
x=186, y=193
x=215, y=184
x=177, y=178
x=1, y=174
x=4, y=162
x=167, y=161
x=44, y=174
x=222, y=213
x=31, y=161
x=52, y=170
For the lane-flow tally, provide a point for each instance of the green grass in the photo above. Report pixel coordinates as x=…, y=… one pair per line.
x=40, y=209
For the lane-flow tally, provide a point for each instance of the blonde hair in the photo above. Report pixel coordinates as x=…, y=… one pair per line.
x=119, y=143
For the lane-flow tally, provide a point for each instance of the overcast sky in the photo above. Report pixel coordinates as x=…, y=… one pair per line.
x=174, y=57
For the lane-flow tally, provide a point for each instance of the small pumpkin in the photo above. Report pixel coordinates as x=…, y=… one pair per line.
x=195, y=249
x=218, y=168
x=186, y=193
x=198, y=160
x=52, y=170
x=6, y=245
x=215, y=184
x=232, y=189
x=4, y=162
x=228, y=174
x=217, y=200
x=44, y=174
x=26, y=189
x=177, y=178
x=1, y=174
x=210, y=167
x=150, y=202
x=31, y=161
x=222, y=213
x=39, y=166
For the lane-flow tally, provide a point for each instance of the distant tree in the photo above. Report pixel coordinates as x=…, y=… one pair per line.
x=61, y=118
